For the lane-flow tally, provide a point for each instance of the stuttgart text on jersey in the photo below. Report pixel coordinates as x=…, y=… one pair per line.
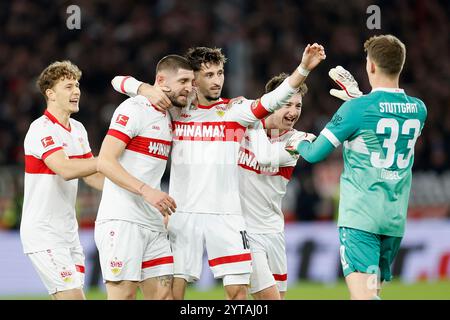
x=398, y=107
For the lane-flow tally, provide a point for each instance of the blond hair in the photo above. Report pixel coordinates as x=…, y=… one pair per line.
x=58, y=70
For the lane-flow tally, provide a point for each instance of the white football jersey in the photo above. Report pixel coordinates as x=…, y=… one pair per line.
x=147, y=134
x=262, y=186
x=204, y=174
x=48, y=214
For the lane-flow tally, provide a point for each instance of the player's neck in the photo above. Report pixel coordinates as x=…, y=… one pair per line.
x=206, y=102
x=384, y=82
x=61, y=115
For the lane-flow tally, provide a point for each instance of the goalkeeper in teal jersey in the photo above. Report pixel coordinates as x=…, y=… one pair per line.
x=378, y=132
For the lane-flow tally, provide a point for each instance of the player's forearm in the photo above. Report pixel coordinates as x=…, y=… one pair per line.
x=70, y=169
x=126, y=85
x=315, y=151
x=267, y=153
x=113, y=170
x=278, y=97
x=95, y=181
x=296, y=79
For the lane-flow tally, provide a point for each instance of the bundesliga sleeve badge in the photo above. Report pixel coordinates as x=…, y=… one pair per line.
x=122, y=120
x=47, y=141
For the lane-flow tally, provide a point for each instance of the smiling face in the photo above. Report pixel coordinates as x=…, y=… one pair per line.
x=65, y=94
x=59, y=85
x=285, y=118
x=209, y=80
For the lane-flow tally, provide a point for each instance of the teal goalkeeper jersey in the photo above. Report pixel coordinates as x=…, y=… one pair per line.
x=378, y=132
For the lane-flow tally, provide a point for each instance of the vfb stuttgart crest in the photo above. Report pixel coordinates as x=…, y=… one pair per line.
x=116, y=266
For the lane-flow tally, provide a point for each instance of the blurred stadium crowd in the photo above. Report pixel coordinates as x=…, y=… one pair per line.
x=260, y=38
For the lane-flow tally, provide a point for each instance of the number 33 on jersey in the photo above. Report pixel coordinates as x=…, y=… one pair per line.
x=378, y=132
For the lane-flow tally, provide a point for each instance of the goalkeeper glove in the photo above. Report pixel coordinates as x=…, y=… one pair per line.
x=294, y=140
x=345, y=80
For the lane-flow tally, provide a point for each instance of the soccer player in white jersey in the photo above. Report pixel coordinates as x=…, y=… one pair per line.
x=204, y=173
x=129, y=232
x=265, y=170
x=57, y=153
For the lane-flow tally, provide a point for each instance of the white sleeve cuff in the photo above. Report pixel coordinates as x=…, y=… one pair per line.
x=126, y=85
x=278, y=97
x=331, y=137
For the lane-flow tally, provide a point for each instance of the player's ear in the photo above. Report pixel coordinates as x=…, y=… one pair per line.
x=50, y=94
x=372, y=66
x=160, y=79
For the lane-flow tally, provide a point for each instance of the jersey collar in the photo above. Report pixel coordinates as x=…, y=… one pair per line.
x=222, y=101
x=393, y=90
x=53, y=119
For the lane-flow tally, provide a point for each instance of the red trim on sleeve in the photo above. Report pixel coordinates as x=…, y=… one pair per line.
x=34, y=165
x=157, y=262
x=119, y=135
x=122, y=84
x=230, y=259
x=82, y=156
x=79, y=268
x=280, y=277
x=258, y=109
x=49, y=152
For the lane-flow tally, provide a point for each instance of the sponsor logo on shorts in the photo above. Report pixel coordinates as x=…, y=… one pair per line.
x=66, y=276
x=116, y=266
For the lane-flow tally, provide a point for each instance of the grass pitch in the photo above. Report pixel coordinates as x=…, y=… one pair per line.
x=396, y=290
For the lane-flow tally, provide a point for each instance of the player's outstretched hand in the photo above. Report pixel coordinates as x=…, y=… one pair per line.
x=156, y=95
x=159, y=199
x=312, y=56
x=345, y=80
x=299, y=136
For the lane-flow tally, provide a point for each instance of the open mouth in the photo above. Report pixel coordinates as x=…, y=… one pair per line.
x=74, y=101
x=289, y=120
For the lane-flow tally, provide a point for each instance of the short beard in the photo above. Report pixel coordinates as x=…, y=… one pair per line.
x=209, y=98
x=177, y=104
x=174, y=101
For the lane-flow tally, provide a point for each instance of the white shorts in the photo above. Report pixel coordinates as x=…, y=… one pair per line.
x=60, y=269
x=269, y=261
x=226, y=244
x=129, y=251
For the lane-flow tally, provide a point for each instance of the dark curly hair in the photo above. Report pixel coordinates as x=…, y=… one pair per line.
x=204, y=55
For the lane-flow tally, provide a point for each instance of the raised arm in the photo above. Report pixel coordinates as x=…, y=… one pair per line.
x=133, y=87
x=252, y=111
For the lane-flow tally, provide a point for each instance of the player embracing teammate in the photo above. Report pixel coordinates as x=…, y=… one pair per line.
x=205, y=174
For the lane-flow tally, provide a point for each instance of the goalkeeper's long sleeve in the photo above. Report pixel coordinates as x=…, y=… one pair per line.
x=315, y=151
